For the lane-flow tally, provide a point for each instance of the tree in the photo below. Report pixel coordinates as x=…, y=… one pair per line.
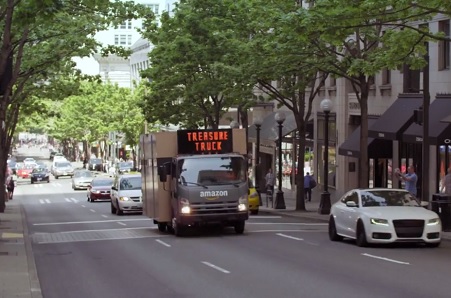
x=39, y=39
x=193, y=69
x=364, y=37
x=283, y=65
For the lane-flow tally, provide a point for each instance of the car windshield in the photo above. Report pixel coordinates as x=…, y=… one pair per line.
x=125, y=165
x=104, y=182
x=39, y=170
x=382, y=198
x=212, y=170
x=129, y=183
x=62, y=164
x=82, y=174
x=95, y=161
x=29, y=166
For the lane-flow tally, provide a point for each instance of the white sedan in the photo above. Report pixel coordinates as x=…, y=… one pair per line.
x=383, y=215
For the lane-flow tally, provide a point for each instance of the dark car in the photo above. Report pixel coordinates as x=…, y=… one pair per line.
x=100, y=189
x=95, y=164
x=39, y=174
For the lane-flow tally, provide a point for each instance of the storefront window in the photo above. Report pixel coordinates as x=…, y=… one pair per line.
x=444, y=163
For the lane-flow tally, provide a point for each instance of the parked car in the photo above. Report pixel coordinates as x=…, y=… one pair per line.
x=126, y=195
x=63, y=168
x=81, y=179
x=383, y=215
x=253, y=199
x=123, y=167
x=100, y=189
x=95, y=164
x=39, y=174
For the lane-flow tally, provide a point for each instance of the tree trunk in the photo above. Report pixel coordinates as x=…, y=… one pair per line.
x=363, y=161
x=299, y=177
x=3, y=158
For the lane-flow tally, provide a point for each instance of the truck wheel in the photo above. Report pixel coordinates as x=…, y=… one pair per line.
x=239, y=227
x=162, y=227
x=113, y=209
x=179, y=230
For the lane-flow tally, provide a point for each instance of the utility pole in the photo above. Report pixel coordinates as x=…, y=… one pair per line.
x=426, y=147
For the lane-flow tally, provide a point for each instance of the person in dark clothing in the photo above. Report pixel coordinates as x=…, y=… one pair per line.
x=10, y=187
x=309, y=184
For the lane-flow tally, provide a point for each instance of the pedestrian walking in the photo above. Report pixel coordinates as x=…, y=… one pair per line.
x=446, y=183
x=309, y=184
x=10, y=186
x=410, y=180
x=270, y=180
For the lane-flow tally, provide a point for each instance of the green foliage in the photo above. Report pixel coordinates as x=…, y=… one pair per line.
x=195, y=74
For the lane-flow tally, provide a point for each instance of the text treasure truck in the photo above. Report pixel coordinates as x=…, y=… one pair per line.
x=195, y=177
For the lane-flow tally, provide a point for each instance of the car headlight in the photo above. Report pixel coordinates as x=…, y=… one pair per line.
x=124, y=199
x=184, y=206
x=379, y=221
x=242, y=203
x=433, y=222
x=98, y=191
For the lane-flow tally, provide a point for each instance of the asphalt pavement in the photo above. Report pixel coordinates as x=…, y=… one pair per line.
x=56, y=244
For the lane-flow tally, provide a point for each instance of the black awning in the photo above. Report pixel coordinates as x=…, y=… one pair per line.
x=377, y=148
x=270, y=128
x=439, y=132
x=397, y=118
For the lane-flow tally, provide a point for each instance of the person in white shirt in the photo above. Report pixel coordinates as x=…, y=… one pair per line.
x=270, y=179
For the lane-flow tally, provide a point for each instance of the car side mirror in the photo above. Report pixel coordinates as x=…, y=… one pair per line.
x=351, y=204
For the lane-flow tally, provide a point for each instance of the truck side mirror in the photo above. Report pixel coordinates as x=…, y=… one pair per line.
x=162, y=172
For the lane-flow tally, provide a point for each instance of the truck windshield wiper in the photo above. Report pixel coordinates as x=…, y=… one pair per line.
x=194, y=183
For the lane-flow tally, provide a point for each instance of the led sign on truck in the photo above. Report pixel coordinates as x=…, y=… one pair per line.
x=210, y=141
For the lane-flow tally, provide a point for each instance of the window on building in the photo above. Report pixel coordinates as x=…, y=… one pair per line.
x=444, y=46
x=386, y=76
x=116, y=39
x=333, y=81
x=123, y=40
x=154, y=7
x=129, y=39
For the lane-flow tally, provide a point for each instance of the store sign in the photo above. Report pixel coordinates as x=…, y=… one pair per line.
x=208, y=141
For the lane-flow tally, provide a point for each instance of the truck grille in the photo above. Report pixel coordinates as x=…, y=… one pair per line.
x=214, y=207
x=409, y=228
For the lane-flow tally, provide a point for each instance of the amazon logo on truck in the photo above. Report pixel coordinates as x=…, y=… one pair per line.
x=214, y=193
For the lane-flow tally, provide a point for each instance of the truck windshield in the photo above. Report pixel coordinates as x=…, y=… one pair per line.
x=212, y=170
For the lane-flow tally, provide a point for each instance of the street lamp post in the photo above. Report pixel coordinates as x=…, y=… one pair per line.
x=280, y=201
x=325, y=204
x=258, y=124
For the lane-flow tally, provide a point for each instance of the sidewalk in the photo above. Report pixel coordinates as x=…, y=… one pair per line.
x=18, y=276
x=311, y=207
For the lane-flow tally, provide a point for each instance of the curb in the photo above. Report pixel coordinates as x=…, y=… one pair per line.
x=35, y=286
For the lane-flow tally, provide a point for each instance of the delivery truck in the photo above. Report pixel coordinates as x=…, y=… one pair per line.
x=192, y=178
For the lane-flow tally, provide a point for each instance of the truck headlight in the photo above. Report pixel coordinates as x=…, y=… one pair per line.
x=124, y=199
x=379, y=221
x=433, y=222
x=242, y=203
x=184, y=206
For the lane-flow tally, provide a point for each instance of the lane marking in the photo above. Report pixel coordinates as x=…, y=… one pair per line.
x=41, y=201
x=278, y=231
x=385, y=259
x=103, y=215
x=74, y=200
x=47, y=201
x=287, y=223
x=83, y=206
x=121, y=223
x=215, y=267
x=163, y=243
x=289, y=237
x=92, y=210
x=114, y=238
x=263, y=216
x=102, y=230
x=67, y=200
x=85, y=222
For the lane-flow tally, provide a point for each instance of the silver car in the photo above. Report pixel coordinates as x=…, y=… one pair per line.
x=82, y=179
x=63, y=168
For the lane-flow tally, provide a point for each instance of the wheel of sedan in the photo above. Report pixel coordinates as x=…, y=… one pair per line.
x=361, y=235
x=113, y=209
x=333, y=236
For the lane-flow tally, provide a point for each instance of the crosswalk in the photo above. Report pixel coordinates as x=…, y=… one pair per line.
x=68, y=200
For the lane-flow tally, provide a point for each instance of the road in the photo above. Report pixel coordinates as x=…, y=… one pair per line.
x=82, y=250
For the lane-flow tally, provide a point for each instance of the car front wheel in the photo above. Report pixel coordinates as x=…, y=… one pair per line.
x=361, y=235
x=333, y=236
